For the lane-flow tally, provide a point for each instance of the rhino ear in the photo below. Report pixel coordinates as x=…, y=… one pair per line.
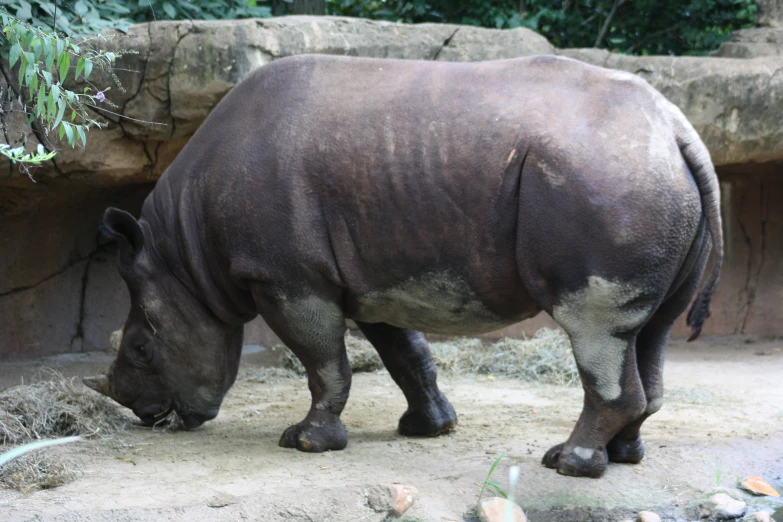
x=122, y=227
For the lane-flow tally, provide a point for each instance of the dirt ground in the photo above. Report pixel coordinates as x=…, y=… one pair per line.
x=723, y=420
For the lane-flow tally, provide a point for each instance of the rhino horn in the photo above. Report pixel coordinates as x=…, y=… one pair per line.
x=99, y=383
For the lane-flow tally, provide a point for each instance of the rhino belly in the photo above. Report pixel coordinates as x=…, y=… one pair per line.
x=440, y=303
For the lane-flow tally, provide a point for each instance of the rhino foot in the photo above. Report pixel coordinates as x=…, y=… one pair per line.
x=625, y=451
x=435, y=419
x=315, y=436
x=580, y=462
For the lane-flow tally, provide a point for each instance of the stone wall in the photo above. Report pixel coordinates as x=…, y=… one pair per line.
x=59, y=292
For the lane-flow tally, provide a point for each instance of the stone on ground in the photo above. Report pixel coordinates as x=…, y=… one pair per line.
x=760, y=516
x=494, y=510
x=647, y=516
x=723, y=507
x=392, y=498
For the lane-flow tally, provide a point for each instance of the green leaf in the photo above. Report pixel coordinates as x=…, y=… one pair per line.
x=47, y=77
x=49, y=58
x=29, y=73
x=22, y=69
x=13, y=56
x=33, y=84
x=37, y=46
x=59, y=118
x=61, y=132
x=170, y=11
x=25, y=11
x=69, y=133
x=79, y=68
x=60, y=47
x=87, y=68
x=80, y=129
x=80, y=9
x=56, y=90
x=51, y=105
x=64, y=65
x=39, y=101
x=40, y=150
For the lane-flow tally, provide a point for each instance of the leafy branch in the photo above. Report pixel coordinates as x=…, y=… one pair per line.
x=47, y=60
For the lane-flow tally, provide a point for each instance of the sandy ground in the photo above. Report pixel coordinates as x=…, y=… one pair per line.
x=723, y=419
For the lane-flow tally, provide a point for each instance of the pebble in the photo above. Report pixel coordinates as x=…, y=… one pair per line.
x=723, y=507
x=647, y=516
x=760, y=516
x=494, y=510
x=392, y=498
x=222, y=500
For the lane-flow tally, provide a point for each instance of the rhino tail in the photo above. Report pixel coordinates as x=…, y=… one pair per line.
x=697, y=157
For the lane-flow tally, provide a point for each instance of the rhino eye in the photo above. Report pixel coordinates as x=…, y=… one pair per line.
x=142, y=351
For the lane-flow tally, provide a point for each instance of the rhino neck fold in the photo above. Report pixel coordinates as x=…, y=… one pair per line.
x=176, y=225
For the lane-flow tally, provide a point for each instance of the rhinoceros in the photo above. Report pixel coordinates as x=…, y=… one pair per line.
x=410, y=197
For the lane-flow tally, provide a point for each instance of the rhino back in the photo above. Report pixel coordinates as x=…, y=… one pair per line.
x=396, y=180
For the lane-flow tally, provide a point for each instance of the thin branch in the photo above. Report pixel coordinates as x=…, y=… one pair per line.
x=588, y=19
x=651, y=36
x=125, y=117
x=605, y=27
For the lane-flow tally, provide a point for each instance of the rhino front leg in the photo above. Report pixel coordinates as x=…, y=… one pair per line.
x=407, y=357
x=313, y=328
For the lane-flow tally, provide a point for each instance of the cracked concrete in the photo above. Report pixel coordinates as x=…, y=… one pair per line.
x=445, y=44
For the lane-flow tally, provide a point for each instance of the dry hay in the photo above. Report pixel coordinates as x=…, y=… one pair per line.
x=545, y=357
x=52, y=406
x=55, y=406
x=38, y=470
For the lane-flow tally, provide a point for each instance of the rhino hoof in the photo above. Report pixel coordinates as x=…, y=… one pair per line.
x=625, y=451
x=429, y=422
x=315, y=437
x=590, y=463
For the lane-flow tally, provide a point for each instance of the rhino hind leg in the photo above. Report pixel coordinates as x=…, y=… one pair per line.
x=406, y=355
x=602, y=319
x=626, y=446
x=314, y=328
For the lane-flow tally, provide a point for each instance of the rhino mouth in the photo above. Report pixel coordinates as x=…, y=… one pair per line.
x=153, y=416
x=161, y=417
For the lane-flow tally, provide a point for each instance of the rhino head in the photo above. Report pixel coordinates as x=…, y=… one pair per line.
x=175, y=354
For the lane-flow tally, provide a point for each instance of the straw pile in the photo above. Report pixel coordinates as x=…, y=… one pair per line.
x=546, y=357
x=52, y=406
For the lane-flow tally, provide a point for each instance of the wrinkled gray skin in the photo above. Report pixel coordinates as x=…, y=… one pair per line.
x=417, y=197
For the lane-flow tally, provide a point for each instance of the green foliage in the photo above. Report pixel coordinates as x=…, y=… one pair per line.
x=93, y=16
x=627, y=26
x=19, y=155
x=633, y=27
x=73, y=18
x=149, y=10
x=45, y=61
x=489, y=484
